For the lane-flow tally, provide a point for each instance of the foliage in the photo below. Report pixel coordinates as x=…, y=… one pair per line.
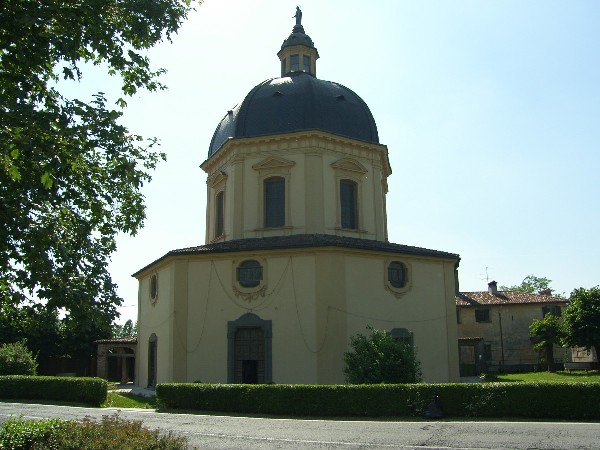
x=530, y=285
x=526, y=400
x=110, y=432
x=91, y=391
x=380, y=358
x=19, y=434
x=16, y=359
x=70, y=172
x=582, y=319
x=547, y=333
x=128, y=329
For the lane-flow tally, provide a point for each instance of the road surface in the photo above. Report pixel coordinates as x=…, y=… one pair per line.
x=228, y=432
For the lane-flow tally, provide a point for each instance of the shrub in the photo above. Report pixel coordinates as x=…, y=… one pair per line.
x=18, y=434
x=16, y=359
x=380, y=358
x=91, y=391
x=110, y=432
x=526, y=400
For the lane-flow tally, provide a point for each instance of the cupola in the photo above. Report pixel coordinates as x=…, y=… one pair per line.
x=298, y=52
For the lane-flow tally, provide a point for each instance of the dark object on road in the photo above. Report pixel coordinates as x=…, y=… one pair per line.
x=434, y=409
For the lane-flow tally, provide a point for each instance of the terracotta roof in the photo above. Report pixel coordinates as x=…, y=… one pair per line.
x=127, y=340
x=504, y=298
x=302, y=241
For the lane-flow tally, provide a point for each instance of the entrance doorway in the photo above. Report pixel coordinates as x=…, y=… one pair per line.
x=249, y=350
x=152, y=361
x=249, y=365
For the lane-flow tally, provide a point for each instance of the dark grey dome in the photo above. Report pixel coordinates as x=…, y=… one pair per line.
x=295, y=103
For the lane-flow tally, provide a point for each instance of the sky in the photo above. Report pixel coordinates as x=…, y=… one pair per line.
x=490, y=111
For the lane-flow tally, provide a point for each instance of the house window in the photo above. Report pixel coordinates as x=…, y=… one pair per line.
x=482, y=315
x=554, y=310
x=249, y=273
x=397, y=274
x=219, y=219
x=306, y=63
x=348, y=204
x=274, y=202
x=295, y=63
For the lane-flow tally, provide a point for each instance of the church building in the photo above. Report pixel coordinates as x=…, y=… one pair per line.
x=296, y=257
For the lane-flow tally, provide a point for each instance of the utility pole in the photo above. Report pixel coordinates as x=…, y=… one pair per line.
x=501, y=340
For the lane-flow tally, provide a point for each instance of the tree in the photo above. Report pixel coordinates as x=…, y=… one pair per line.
x=70, y=172
x=16, y=359
x=380, y=358
x=582, y=319
x=547, y=333
x=531, y=285
x=128, y=329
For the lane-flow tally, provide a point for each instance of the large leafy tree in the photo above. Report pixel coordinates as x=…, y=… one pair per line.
x=380, y=358
x=582, y=318
x=547, y=333
x=70, y=172
x=531, y=285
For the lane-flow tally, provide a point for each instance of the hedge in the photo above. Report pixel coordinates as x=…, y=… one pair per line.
x=90, y=391
x=494, y=400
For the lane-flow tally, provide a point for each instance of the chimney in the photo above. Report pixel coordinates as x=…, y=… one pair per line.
x=546, y=292
x=493, y=287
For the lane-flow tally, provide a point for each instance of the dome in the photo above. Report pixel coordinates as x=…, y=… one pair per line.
x=297, y=102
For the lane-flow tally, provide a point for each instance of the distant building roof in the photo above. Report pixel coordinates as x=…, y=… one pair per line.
x=302, y=241
x=504, y=298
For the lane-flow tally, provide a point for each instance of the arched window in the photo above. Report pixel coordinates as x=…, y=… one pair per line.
x=348, y=204
x=274, y=202
x=220, y=211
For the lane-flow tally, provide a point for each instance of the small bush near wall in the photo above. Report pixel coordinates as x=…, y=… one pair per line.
x=91, y=391
x=526, y=400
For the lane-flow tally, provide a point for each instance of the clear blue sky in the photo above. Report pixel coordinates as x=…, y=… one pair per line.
x=490, y=111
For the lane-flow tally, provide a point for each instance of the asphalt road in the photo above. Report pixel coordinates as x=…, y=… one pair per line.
x=227, y=432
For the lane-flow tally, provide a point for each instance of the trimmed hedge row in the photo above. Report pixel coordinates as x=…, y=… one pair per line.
x=526, y=400
x=91, y=391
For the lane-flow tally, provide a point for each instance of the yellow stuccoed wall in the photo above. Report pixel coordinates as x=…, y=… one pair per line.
x=316, y=299
x=312, y=164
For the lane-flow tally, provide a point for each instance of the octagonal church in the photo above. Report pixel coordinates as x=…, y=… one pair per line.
x=296, y=257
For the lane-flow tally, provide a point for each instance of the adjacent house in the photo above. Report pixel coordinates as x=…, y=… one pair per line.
x=493, y=329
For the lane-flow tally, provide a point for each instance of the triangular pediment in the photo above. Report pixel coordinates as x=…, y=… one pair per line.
x=349, y=165
x=273, y=162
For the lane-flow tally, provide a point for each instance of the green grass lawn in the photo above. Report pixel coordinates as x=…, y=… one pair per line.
x=556, y=377
x=123, y=400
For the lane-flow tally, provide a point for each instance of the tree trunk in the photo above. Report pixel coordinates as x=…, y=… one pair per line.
x=550, y=357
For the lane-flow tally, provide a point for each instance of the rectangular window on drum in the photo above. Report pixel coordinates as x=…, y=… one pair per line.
x=274, y=202
x=348, y=204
